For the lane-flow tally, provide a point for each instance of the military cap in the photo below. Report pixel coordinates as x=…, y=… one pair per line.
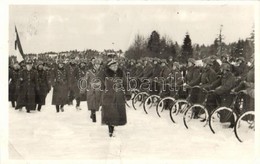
x=176, y=64
x=226, y=66
x=241, y=58
x=213, y=57
x=224, y=56
x=207, y=61
x=191, y=60
x=164, y=61
x=29, y=61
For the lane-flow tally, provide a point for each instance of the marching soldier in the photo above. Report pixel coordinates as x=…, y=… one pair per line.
x=60, y=88
x=114, y=96
x=13, y=77
x=93, y=90
x=27, y=86
x=44, y=86
x=79, y=73
x=72, y=82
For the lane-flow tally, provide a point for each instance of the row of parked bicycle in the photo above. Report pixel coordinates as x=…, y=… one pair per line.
x=235, y=117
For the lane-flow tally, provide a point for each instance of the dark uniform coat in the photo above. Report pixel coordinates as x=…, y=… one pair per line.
x=113, y=100
x=93, y=90
x=216, y=66
x=72, y=81
x=192, y=75
x=207, y=77
x=13, y=77
x=225, y=84
x=79, y=74
x=27, y=85
x=44, y=87
x=60, y=88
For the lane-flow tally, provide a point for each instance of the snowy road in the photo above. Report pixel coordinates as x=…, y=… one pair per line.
x=72, y=135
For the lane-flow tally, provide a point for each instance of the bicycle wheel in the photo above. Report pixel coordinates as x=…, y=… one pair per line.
x=179, y=107
x=222, y=119
x=138, y=99
x=245, y=126
x=195, y=117
x=134, y=92
x=150, y=103
x=164, y=104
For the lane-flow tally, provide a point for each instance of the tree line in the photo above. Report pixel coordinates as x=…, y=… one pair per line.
x=163, y=47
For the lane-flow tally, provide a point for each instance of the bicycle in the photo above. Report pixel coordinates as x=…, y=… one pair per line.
x=225, y=116
x=197, y=113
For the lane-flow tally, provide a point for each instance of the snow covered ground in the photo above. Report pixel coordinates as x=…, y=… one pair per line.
x=71, y=135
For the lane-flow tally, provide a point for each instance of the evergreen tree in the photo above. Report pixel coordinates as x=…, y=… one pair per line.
x=154, y=44
x=186, y=49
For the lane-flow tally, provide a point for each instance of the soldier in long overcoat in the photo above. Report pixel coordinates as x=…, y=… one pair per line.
x=79, y=93
x=13, y=77
x=27, y=86
x=60, y=88
x=115, y=94
x=72, y=81
x=93, y=89
x=44, y=86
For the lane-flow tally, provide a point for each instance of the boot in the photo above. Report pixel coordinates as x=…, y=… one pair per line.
x=111, y=130
x=94, y=116
x=39, y=107
x=78, y=108
x=78, y=104
x=61, y=108
x=57, y=108
x=13, y=104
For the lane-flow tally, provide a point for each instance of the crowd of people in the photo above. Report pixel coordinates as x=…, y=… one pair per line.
x=30, y=82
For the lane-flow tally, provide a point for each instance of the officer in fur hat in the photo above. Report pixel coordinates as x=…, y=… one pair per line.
x=113, y=82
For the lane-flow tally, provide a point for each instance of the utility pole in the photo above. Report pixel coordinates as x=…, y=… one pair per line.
x=220, y=41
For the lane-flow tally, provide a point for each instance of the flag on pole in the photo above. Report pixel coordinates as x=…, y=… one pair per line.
x=18, y=47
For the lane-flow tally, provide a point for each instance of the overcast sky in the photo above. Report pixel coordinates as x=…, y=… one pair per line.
x=61, y=28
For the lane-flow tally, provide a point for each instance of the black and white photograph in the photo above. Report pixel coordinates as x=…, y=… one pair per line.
x=130, y=82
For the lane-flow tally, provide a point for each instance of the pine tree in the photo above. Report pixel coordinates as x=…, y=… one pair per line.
x=186, y=49
x=154, y=44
